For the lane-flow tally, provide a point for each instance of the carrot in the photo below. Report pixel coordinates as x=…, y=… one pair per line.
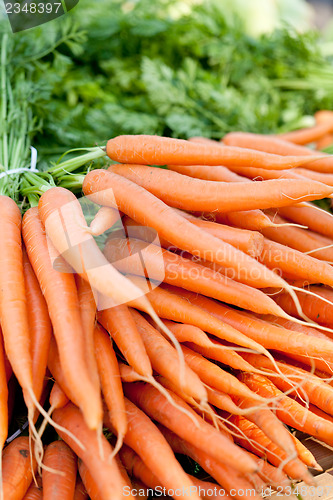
x=325, y=178
x=62, y=300
x=110, y=381
x=128, y=256
x=58, y=398
x=18, y=467
x=102, y=186
x=171, y=306
x=188, y=193
x=263, y=174
x=289, y=411
x=302, y=240
x=105, y=473
x=117, y=320
x=87, y=305
x=155, y=150
x=168, y=365
x=39, y=324
x=289, y=260
x=253, y=220
x=88, y=481
x=270, y=336
x=59, y=473
x=80, y=491
x=255, y=441
x=316, y=219
x=227, y=477
x=307, y=135
x=35, y=491
x=278, y=145
x=273, y=476
x=5, y=407
x=208, y=173
x=324, y=116
x=105, y=218
x=148, y=442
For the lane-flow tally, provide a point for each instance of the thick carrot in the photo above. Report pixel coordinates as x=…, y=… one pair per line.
x=87, y=305
x=307, y=135
x=59, y=458
x=188, y=193
x=62, y=300
x=227, y=477
x=208, y=173
x=17, y=468
x=13, y=301
x=270, y=336
x=5, y=407
x=316, y=219
x=262, y=446
x=168, y=365
x=203, y=435
x=103, y=186
x=106, y=473
x=39, y=324
x=110, y=381
x=171, y=306
x=132, y=256
x=291, y=261
x=278, y=145
x=35, y=491
x=155, y=150
x=80, y=491
x=118, y=320
x=289, y=411
x=148, y=442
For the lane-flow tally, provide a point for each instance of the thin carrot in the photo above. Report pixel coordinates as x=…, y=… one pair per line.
x=227, y=477
x=89, y=483
x=155, y=150
x=203, y=436
x=148, y=442
x=80, y=491
x=188, y=193
x=105, y=473
x=208, y=173
x=58, y=398
x=17, y=469
x=254, y=220
x=307, y=135
x=87, y=305
x=62, y=300
x=288, y=410
x=59, y=473
x=271, y=475
x=316, y=219
x=255, y=441
x=325, y=178
x=132, y=256
x=35, y=491
x=104, y=186
x=119, y=323
x=324, y=116
x=110, y=381
x=105, y=218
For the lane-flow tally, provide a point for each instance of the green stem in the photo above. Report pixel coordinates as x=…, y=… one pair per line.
x=74, y=163
x=4, y=98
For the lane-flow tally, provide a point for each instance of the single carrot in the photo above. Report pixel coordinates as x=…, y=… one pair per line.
x=58, y=398
x=289, y=411
x=87, y=305
x=307, y=135
x=227, y=477
x=80, y=491
x=105, y=473
x=119, y=323
x=324, y=116
x=278, y=145
x=18, y=467
x=316, y=219
x=254, y=440
x=6, y=403
x=88, y=481
x=103, y=186
x=62, y=300
x=325, y=178
x=39, y=324
x=203, y=436
x=148, y=442
x=155, y=150
x=253, y=220
x=188, y=193
x=35, y=491
x=59, y=473
x=105, y=218
x=132, y=256
x=168, y=365
x=263, y=174
x=208, y=173
x=273, y=476
x=110, y=382
x=171, y=306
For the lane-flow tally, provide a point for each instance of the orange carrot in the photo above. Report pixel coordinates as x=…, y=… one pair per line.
x=316, y=219
x=203, y=436
x=105, y=218
x=118, y=320
x=59, y=458
x=58, y=398
x=103, y=186
x=148, y=442
x=80, y=491
x=88, y=481
x=188, y=193
x=35, y=491
x=5, y=407
x=324, y=116
x=325, y=178
x=271, y=475
x=62, y=300
x=208, y=173
x=128, y=256
x=155, y=150
x=307, y=135
x=105, y=473
x=17, y=469
x=254, y=220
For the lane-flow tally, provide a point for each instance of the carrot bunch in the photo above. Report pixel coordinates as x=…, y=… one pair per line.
x=202, y=327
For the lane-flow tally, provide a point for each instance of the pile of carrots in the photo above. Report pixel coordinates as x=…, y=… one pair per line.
x=203, y=327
